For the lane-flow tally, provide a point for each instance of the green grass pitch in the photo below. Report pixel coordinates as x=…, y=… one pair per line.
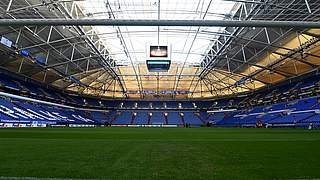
x=159, y=153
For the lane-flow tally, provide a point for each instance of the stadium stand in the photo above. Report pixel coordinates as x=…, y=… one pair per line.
x=293, y=104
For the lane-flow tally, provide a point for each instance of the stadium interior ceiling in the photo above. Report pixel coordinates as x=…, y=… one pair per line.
x=207, y=62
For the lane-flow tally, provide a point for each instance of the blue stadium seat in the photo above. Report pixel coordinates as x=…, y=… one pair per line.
x=190, y=117
x=124, y=118
x=157, y=118
x=292, y=118
x=142, y=118
x=174, y=118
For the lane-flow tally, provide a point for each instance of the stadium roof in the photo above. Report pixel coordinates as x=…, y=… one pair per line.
x=128, y=44
x=206, y=61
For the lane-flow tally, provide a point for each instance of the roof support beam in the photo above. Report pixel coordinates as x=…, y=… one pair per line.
x=307, y=4
x=9, y=5
x=127, y=22
x=288, y=55
x=105, y=61
x=282, y=73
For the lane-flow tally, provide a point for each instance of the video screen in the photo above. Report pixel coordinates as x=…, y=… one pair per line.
x=159, y=51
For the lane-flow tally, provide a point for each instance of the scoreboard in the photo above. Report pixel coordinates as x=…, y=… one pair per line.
x=158, y=58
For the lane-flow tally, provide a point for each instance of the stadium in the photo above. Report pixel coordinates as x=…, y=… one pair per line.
x=159, y=89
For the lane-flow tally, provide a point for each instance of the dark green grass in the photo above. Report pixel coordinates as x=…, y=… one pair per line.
x=142, y=153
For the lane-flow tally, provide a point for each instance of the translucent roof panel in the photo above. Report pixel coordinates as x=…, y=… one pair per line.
x=189, y=44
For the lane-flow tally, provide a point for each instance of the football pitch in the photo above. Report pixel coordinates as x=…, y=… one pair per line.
x=159, y=153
